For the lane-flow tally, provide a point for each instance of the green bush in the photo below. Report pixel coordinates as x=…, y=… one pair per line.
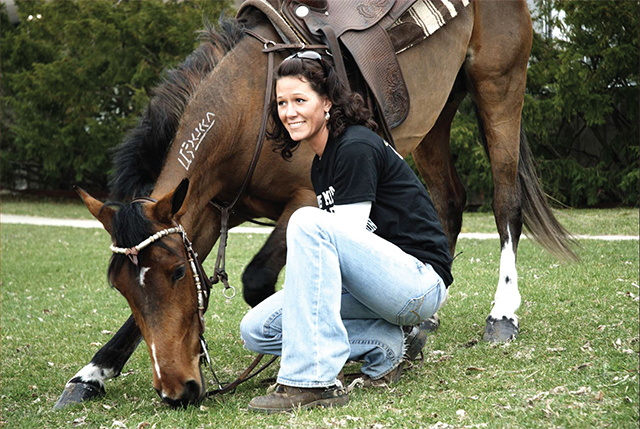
x=581, y=109
x=76, y=77
x=75, y=80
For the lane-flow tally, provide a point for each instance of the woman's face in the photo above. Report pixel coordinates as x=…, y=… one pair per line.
x=302, y=111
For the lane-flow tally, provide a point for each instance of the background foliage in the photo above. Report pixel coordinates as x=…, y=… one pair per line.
x=581, y=110
x=77, y=79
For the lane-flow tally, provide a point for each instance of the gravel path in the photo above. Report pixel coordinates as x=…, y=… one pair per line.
x=84, y=223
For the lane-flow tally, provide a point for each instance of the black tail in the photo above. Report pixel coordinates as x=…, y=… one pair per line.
x=537, y=216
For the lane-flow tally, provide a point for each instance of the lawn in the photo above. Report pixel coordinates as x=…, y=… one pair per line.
x=620, y=221
x=575, y=363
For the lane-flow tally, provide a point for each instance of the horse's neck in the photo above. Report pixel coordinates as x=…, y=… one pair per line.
x=218, y=125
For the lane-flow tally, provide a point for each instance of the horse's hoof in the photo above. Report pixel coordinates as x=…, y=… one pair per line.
x=500, y=330
x=430, y=325
x=76, y=392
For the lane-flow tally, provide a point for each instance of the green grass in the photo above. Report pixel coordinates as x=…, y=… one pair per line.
x=622, y=221
x=27, y=205
x=579, y=337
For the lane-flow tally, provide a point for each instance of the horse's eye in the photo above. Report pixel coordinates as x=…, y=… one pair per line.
x=178, y=273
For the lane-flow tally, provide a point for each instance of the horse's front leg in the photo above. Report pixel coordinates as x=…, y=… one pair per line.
x=107, y=363
x=435, y=164
x=260, y=276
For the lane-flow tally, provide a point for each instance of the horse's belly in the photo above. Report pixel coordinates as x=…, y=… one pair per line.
x=430, y=69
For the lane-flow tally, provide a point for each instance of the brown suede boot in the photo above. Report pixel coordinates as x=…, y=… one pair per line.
x=386, y=380
x=287, y=398
x=414, y=341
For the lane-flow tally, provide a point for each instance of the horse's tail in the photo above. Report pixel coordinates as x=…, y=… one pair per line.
x=537, y=216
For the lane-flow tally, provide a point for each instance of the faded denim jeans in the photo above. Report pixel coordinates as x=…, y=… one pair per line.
x=346, y=295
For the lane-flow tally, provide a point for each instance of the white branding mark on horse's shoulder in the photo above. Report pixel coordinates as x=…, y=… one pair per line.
x=155, y=361
x=188, y=149
x=143, y=272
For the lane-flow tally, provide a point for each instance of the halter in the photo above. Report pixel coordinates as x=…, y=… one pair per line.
x=196, y=266
x=203, y=294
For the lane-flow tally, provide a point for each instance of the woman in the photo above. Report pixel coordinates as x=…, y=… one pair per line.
x=371, y=259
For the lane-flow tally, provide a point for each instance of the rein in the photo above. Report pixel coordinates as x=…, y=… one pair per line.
x=270, y=48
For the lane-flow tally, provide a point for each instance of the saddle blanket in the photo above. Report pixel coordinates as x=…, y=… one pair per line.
x=429, y=15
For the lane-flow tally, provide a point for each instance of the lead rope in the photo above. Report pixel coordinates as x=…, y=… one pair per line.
x=220, y=273
x=245, y=376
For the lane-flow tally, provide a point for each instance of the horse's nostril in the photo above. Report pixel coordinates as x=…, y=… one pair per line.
x=190, y=395
x=191, y=392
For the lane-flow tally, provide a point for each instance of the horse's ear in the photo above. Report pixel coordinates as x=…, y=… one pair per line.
x=101, y=212
x=173, y=204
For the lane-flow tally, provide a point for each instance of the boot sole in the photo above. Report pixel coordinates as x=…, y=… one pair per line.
x=327, y=402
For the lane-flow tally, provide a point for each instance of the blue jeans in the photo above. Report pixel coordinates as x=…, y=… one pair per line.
x=346, y=295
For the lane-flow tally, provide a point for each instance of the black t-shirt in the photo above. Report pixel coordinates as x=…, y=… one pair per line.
x=360, y=166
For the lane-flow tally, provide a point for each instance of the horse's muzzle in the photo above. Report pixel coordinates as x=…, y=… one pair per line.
x=191, y=394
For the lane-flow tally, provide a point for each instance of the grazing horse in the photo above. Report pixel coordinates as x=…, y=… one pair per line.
x=202, y=125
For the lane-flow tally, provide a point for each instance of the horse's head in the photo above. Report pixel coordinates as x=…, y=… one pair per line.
x=158, y=282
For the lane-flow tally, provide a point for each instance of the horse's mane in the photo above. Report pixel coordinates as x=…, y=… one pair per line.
x=138, y=160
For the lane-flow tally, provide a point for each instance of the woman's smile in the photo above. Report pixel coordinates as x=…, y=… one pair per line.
x=302, y=111
x=296, y=124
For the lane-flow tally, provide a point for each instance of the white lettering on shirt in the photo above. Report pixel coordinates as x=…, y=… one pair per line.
x=393, y=149
x=325, y=200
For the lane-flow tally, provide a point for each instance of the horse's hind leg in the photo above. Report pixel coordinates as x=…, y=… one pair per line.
x=106, y=363
x=496, y=67
x=435, y=164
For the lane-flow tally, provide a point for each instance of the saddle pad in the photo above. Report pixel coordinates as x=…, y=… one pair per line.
x=423, y=19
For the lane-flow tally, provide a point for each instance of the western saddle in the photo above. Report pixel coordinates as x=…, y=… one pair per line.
x=361, y=27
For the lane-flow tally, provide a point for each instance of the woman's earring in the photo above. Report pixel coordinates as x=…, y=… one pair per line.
x=327, y=116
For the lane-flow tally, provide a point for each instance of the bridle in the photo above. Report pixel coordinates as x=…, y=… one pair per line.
x=202, y=282
x=203, y=291
x=196, y=267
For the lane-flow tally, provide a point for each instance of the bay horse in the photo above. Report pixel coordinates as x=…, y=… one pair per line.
x=210, y=106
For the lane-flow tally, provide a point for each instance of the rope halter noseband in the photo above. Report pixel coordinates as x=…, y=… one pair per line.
x=132, y=253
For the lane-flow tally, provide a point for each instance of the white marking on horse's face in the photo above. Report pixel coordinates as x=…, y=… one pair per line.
x=155, y=361
x=92, y=372
x=143, y=272
x=507, y=299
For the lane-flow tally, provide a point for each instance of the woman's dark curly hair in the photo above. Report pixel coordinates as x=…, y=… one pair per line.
x=348, y=108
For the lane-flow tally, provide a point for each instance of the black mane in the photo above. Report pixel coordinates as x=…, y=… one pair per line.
x=139, y=158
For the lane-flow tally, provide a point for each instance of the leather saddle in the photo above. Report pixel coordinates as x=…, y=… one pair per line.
x=361, y=27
